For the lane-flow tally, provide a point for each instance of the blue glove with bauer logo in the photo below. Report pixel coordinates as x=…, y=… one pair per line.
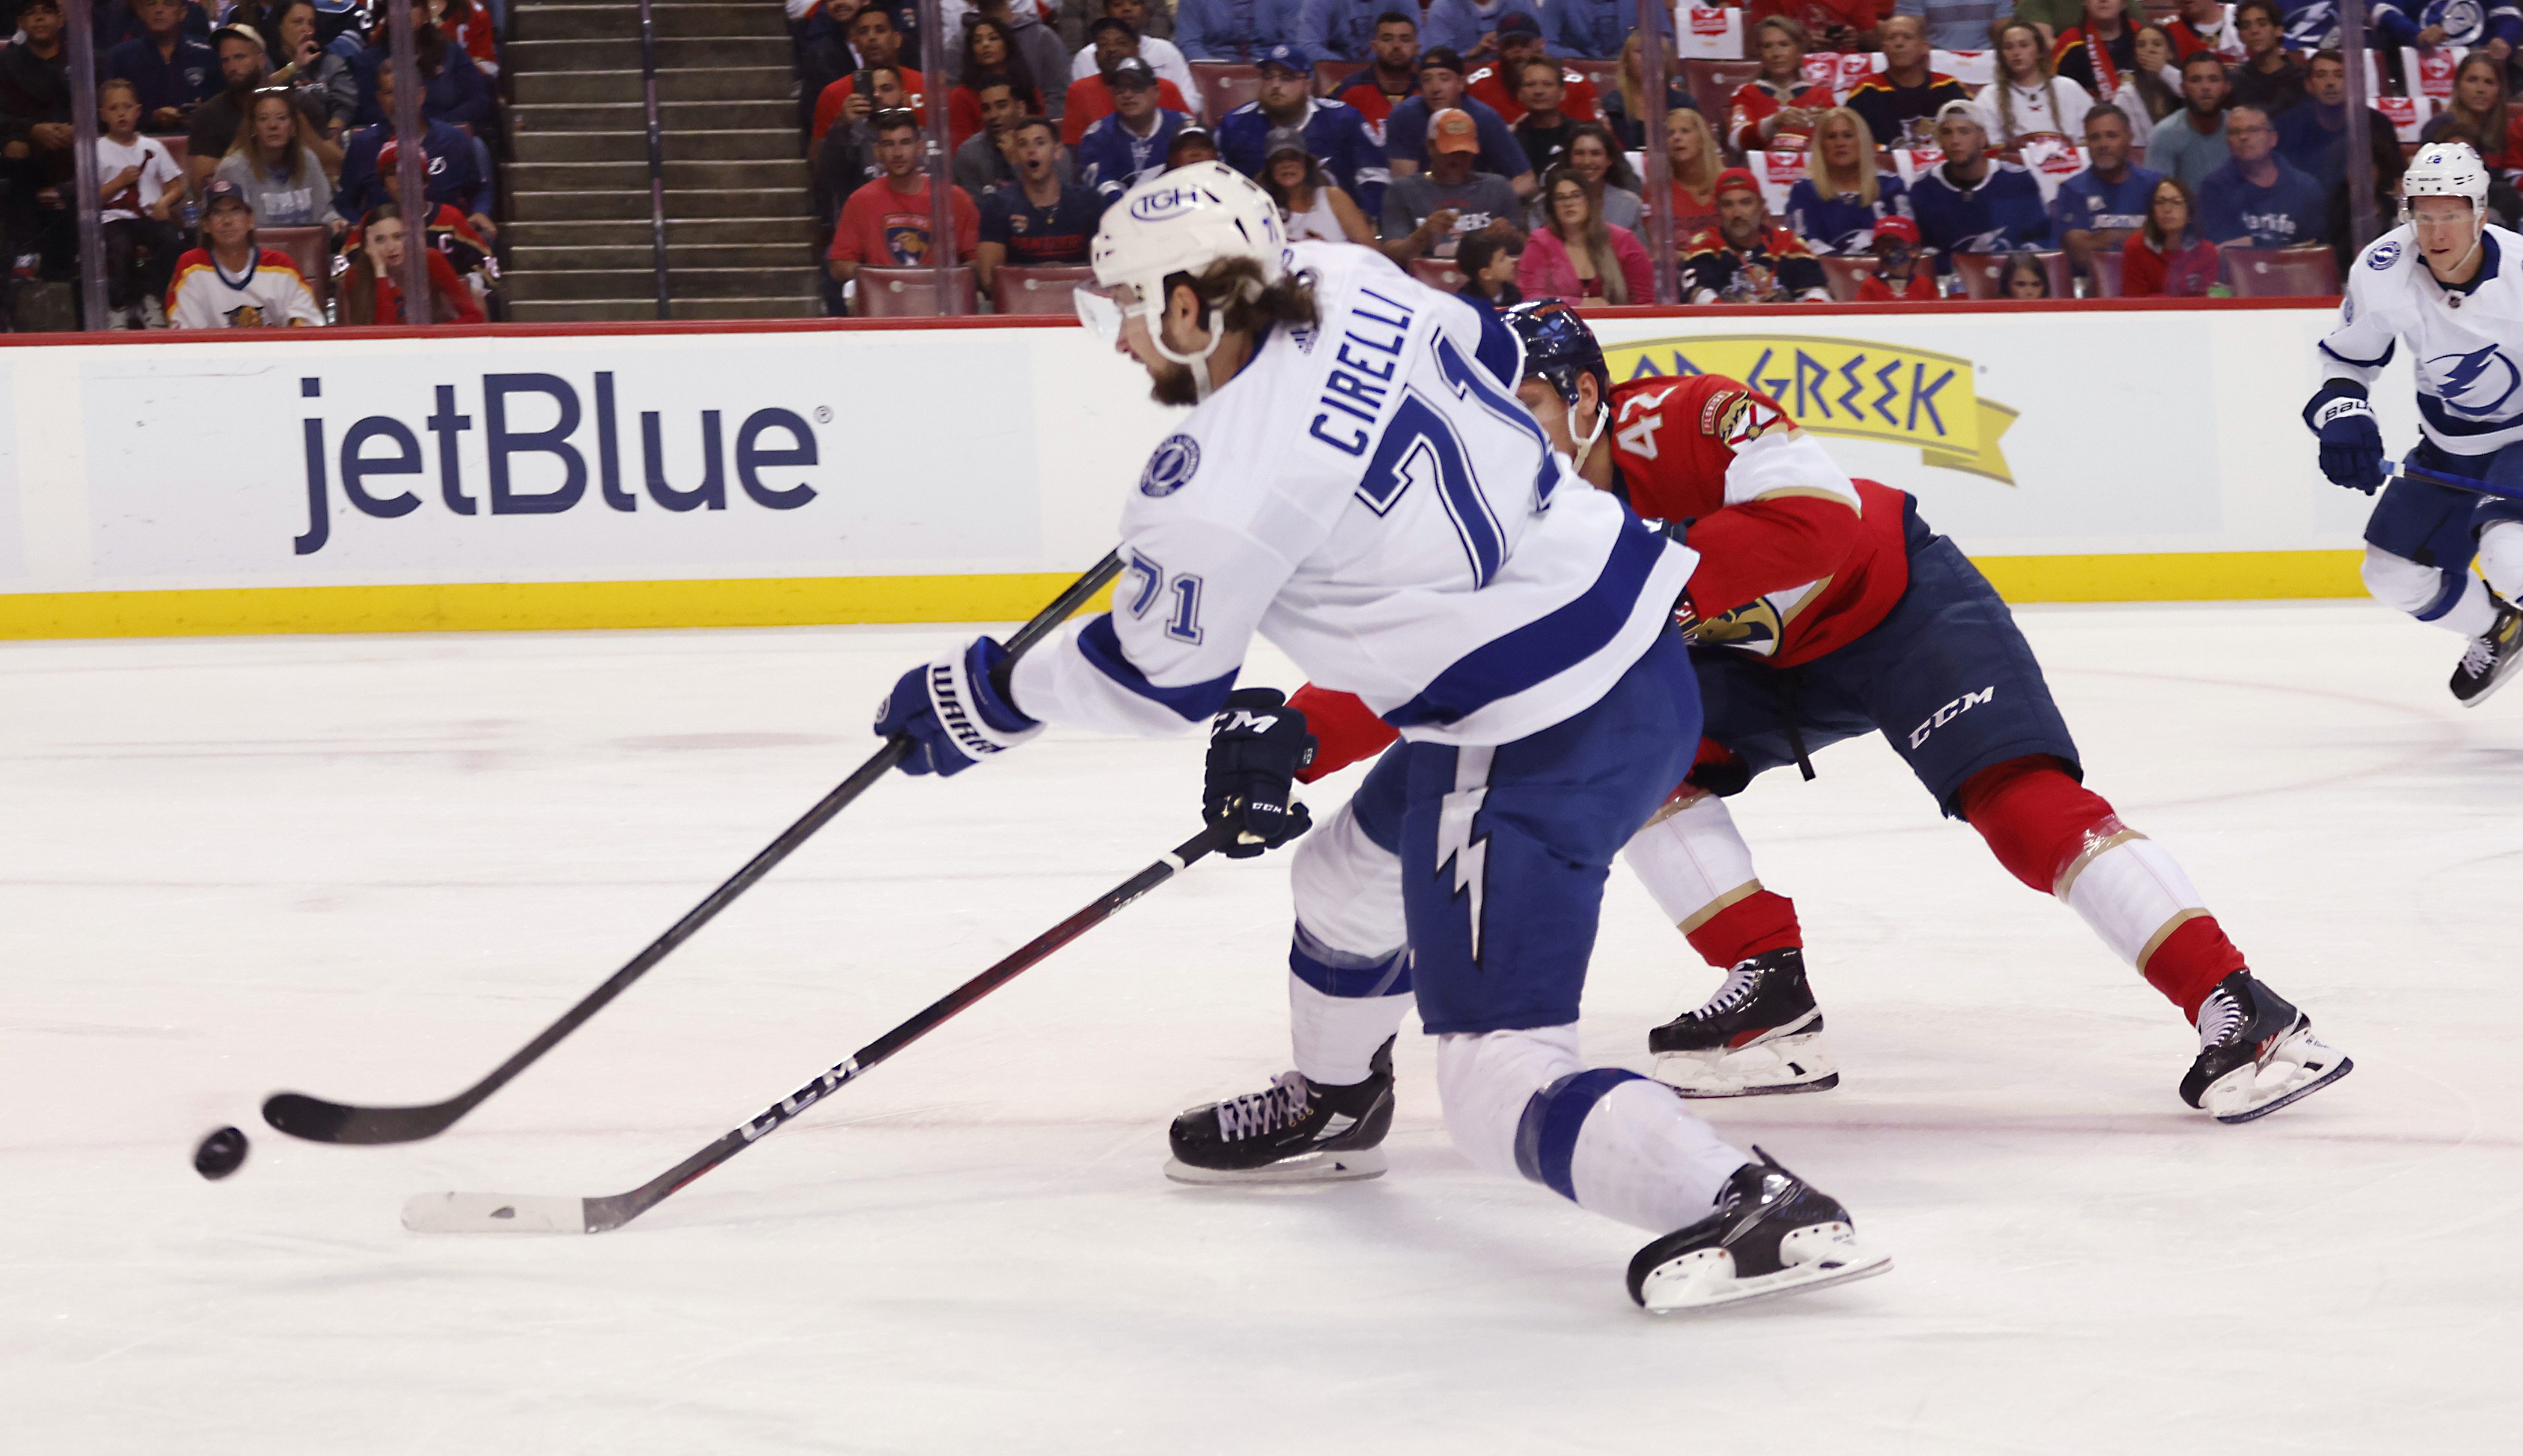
x=953, y=714
x=2351, y=443
x=1256, y=746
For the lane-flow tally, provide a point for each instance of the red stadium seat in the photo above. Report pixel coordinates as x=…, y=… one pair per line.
x=912, y=293
x=1604, y=73
x=178, y=148
x=2106, y=273
x=1331, y=74
x=310, y=248
x=1438, y=273
x=2282, y=272
x=1712, y=86
x=1046, y=290
x=1843, y=272
x=1984, y=273
x=1224, y=85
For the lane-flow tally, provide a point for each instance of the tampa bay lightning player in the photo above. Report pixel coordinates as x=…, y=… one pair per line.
x=1356, y=485
x=2449, y=285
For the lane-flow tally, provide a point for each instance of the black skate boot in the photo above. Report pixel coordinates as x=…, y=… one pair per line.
x=2489, y=658
x=1759, y=1035
x=1772, y=1234
x=1291, y=1131
x=2256, y=1053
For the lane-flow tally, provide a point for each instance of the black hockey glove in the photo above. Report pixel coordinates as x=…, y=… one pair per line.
x=1255, y=747
x=2351, y=443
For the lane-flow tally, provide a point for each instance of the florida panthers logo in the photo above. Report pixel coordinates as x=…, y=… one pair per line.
x=2477, y=383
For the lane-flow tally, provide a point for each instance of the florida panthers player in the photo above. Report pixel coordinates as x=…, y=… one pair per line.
x=2450, y=286
x=1358, y=483
x=1828, y=611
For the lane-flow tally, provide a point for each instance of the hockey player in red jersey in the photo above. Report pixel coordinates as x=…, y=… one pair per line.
x=1816, y=619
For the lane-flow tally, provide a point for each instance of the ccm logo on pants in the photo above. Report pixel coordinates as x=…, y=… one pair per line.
x=1949, y=712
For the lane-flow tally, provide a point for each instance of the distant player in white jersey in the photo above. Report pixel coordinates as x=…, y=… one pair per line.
x=2449, y=286
x=1359, y=484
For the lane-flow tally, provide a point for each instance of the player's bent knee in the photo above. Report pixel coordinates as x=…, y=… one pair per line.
x=2398, y=583
x=1347, y=889
x=1487, y=1080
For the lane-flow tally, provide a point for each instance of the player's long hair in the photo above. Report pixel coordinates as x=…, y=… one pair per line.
x=2006, y=82
x=2491, y=124
x=1233, y=289
x=293, y=165
x=1592, y=235
x=1819, y=173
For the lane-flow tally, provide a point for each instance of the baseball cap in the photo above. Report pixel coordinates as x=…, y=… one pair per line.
x=1444, y=58
x=1734, y=179
x=1289, y=55
x=1130, y=74
x=391, y=154
x=1517, y=22
x=1453, y=131
x=1897, y=227
x=1967, y=111
x=1193, y=134
x=224, y=190
x=241, y=31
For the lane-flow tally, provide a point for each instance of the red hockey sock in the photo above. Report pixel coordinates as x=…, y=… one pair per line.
x=2190, y=963
x=2036, y=818
x=1759, y=923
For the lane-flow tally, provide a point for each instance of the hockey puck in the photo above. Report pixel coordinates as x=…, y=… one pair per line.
x=222, y=1153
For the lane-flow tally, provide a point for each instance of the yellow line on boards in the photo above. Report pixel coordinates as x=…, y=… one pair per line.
x=792, y=602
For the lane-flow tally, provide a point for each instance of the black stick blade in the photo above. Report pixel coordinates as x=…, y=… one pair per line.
x=319, y=1121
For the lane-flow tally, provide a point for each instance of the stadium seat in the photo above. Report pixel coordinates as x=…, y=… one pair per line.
x=310, y=248
x=2282, y=272
x=2106, y=273
x=1845, y=271
x=1331, y=74
x=1224, y=85
x=1044, y=290
x=1712, y=86
x=1604, y=73
x=912, y=293
x=178, y=148
x=1983, y=273
x=1439, y=273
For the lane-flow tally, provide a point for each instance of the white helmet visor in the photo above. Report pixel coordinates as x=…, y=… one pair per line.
x=1102, y=307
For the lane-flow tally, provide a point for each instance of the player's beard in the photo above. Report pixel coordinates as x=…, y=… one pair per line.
x=1174, y=383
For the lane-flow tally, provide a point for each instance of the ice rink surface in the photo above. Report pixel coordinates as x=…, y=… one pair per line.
x=368, y=868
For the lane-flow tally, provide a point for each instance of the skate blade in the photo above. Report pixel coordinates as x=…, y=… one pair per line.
x=1346, y=1166
x=2304, y=1082
x=1706, y=1282
x=1789, y=1064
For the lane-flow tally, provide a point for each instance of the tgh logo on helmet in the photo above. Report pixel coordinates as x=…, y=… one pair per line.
x=1167, y=202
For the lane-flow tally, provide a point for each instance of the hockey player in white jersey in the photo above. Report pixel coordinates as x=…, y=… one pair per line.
x=2449, y=285
x=1356, y=484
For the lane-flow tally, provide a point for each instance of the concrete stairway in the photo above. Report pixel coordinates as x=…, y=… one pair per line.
x=739, y=229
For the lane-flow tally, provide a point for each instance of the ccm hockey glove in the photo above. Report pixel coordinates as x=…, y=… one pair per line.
x=2351, y=443
x=954, y=716
x=1255, y=747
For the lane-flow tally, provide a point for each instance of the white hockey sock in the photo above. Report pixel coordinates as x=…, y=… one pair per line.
x=2500, y=558
x=1522, y=1104
x=1693, y=862
x=1336, y=1036
x=2132, y=891
x=2420, y=591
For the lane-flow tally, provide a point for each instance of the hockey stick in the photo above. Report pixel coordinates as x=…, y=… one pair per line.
x=512, y=1213
x=2425, y=476
x=321, y=1121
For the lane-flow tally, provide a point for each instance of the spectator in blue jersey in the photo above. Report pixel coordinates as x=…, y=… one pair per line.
x=456, y=92
x=1974, y=203
x=1441, y=88
x=1116, y=150
x=169, y=70
x=118, y=21
x=2313, y=137
x=1344, y=28
x=2097, y=208
x=1233, y=30
x=2190, y=143
x=449, y=157
x=1470, y=27
x=2496, y=26
x=1837, y=203
x=1956, y=24
x=2256, y=200
x=1041, y=221
x=1288, y=114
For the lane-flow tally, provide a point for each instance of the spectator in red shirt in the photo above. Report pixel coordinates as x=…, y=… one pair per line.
x=1692, y=156
x=878, y=43
x=2480, y=104
x=1898, y=278
x=1394, y=76
x=373, y=294
x=469, y=26
x=2168, y=258
x=885, y=223
x=1494, y=85
x=1775, y=110
x=1091, y=100
x=1837, y=24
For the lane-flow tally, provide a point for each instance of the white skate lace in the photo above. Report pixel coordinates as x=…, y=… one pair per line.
x=1740, y=984
x=2219, y=1016
x=1266, y=1111
x=2478, y=656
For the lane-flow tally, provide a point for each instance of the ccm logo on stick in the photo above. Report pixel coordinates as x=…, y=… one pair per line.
x=1949, y=712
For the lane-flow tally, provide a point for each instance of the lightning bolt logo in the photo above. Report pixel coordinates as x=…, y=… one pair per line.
x=1457, y=844
x=2467, y=370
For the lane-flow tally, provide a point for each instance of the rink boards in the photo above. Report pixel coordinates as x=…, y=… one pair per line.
x=550, y=476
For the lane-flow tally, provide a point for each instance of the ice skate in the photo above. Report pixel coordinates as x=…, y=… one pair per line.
x=2488, y=659
x=1290, y=1132
x=1772, y=1234
x=2256, y=1053
x=1759, y=1035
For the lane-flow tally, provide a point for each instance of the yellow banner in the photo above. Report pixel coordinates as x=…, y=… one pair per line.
x=1851, y=386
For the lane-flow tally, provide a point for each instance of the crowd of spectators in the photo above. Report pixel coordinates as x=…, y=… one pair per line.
x=1503, y=135
x=215, y=130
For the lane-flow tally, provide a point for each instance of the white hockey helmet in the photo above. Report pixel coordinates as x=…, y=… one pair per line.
x=2445, y=169
x=1179, y=222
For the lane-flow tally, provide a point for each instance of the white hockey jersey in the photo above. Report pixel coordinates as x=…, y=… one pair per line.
x=1368, y=496
x=2466, y=346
